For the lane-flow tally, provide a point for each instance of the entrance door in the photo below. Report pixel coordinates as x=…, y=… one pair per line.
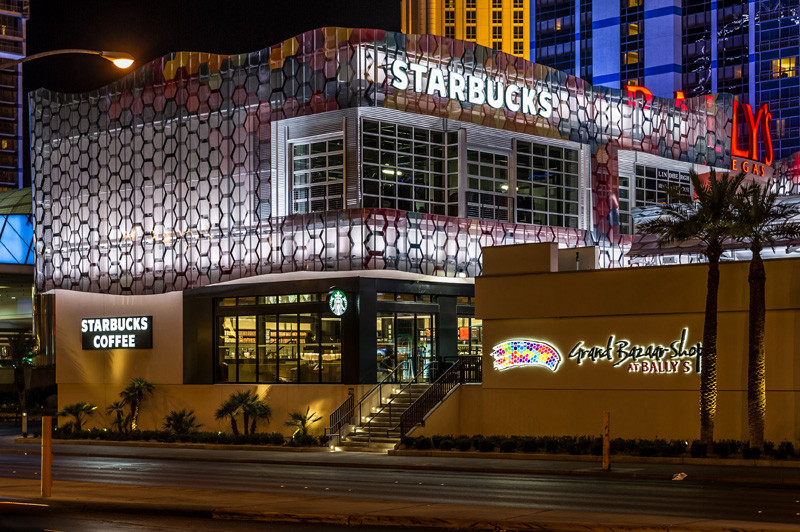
x=425, y=348
x=404, y=325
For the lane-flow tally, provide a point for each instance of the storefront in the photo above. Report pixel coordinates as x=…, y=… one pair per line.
x=315, y=212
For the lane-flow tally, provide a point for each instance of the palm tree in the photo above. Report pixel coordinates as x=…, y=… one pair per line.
x=136, y=392
x=258, y=410
x=229, y=408
x=245, y=401
x=78, y=411
x=20, y=347
x=117, y=408
x=710, y=220
x=181, y=422
x=760, y=221
x=301, y=422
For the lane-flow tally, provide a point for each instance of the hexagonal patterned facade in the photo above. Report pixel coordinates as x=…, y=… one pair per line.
x=162, y=180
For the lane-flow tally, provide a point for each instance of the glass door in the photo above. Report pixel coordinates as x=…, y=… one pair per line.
x=386, y=359
x=425, y=348
x=404, y=326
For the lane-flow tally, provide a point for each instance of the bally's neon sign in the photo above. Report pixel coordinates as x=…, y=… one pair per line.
x=739, y=157
x=471, y=89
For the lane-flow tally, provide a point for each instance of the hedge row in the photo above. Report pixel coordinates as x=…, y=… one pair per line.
x=192, y=437
x=592, y=445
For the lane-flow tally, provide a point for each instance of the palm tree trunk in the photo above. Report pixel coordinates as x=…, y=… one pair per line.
x=708, y=361
x=756, y=362
x=134, y=414
x=234, y=426
x=245, y=422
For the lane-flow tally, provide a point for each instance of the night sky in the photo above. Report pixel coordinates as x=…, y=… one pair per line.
x=148, y=29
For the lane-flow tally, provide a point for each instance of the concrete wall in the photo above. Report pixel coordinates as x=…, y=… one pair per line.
x=645, y=306
x=99, y=376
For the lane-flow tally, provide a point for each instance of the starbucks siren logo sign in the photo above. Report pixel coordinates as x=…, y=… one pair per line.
x=337, y=302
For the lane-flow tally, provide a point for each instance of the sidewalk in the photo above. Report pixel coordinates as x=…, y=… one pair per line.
x=562, y=465
x=285, y=508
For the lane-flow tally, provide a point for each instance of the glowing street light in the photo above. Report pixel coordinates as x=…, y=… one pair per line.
x=121, y=60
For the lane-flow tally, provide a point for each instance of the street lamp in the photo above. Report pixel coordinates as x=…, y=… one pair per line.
x=120, y=59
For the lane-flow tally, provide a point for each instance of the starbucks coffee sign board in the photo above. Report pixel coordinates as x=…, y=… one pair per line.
x=128, y=332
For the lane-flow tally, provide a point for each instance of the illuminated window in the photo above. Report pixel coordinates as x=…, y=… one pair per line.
x=472, y=17
x=4, y=144
x=449, y=4
x=635, y=3
x=318, y=176
x=737, y=71
x=403, y=168
x=497, y=33
x=784, y=68
x=519, y=17
x=558, y=24
x=630, y=58
x=633, y=29
x=547, y=185
x=487, y=186
x=497, y=17
x=471, y=33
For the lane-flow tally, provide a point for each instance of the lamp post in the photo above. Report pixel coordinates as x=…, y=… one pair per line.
x=120, y=59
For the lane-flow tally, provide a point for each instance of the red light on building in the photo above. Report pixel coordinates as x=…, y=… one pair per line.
x=753, y=123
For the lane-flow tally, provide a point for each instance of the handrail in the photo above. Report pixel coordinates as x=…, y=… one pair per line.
x=427, y=367
x=343, y=415
x=465, y=369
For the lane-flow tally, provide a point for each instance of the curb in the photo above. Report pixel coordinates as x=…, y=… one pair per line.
x=407, y=522
x=179, y=445
x=618, y=458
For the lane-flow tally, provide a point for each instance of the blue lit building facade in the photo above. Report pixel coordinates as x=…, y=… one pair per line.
x=749, y=49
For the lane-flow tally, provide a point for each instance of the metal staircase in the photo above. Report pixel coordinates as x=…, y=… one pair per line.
x=391, y=410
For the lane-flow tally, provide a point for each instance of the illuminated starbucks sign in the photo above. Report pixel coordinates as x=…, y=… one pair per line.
x=471, y=89
x=337, y=302
x=129, y=332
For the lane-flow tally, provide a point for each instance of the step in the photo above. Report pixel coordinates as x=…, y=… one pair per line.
x=364, y=446
x=371, y=439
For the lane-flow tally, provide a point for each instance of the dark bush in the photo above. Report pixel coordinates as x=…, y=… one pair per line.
x=769, y=448
x=463, y=443
x=485, y=446
x=423, y=444
x=446, y=444
x=508, y=446
x=698, y=449
x=674, y=448
x=528, y=445
x=785, y=450
x=551, y=445
x=436, y=440
x=276, y=438
x=751, y=453
x=408, y=441
x=596, y=447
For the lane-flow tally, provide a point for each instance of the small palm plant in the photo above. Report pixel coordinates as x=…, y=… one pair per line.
x=229, y=409
x=302, y=422
x=181, y=422
x=134, y=395
x=78, y=411
x=258, y=410
x=121, y=421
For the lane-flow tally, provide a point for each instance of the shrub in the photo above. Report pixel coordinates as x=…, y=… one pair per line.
x=463, y=443
x=528, y=445
x=181, y=422
x=769, y=448
x=446, y=444
x=785, y=450
x=423, y=444
x=596, y=447
x=751, y=453
x=674, y=448
x=725, y=448
x=508, y=446
x=407, y=441
x=698, y=449
x=485, y=446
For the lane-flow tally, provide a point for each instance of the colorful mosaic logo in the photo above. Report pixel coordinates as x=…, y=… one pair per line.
x=517, y=353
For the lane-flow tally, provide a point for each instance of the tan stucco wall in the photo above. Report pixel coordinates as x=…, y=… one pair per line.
x=643, y=305
x=99, y=376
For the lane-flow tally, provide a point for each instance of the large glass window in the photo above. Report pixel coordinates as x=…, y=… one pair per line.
x=487, y=185
x=547, y=185
x=274, y=346
x=404, y=168
x=318, y=176
x=470, y=336
x=406, y=339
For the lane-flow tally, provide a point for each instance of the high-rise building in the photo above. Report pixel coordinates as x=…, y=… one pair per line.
x=498, y=24
x=13, y=17
x=749, y=49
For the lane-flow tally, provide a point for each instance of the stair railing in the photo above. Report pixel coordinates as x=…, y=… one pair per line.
x=467, y=369
x=343, y=415
x=392, y=409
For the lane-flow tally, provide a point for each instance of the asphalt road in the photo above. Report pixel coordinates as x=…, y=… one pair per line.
x=38, y=519
x=585, y=494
